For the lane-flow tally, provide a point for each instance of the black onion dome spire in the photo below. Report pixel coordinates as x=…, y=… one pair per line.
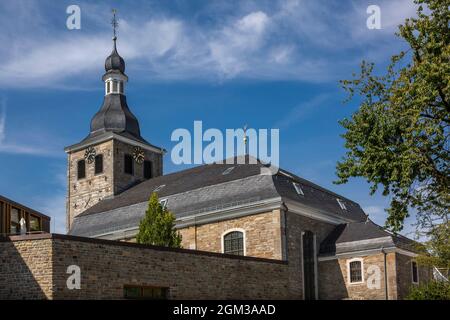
x=114, y=115
x=114, y=62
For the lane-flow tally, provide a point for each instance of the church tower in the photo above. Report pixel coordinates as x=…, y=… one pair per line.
x=114, y=156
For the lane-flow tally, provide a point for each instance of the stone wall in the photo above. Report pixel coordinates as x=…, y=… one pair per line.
x=84, y=193
x=404, y=275
x=294, y=226
x=36, y=266
x=334, y=282
x=263, y=235
x=123, y=181
x=26, y=269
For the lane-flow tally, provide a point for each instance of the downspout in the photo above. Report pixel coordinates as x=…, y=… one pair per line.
x=385, y=274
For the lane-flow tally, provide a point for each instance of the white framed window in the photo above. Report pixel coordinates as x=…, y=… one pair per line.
x=341, y=204
x=233, y=242
x=298, y=188
x=159, y=188
x=414, y=272
x=355, y=271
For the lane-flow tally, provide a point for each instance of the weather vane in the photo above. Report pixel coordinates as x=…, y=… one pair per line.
x=114, y=22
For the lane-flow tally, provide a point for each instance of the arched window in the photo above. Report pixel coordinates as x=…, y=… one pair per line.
x=355, y=271
x=233, y=243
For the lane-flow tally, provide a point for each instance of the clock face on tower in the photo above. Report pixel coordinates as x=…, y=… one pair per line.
x=138, y=155
x=89, y=155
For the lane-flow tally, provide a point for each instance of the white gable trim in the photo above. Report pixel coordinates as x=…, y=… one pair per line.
x=367, y=253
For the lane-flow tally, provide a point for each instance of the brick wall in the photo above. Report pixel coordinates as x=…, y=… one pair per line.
x=106, y=266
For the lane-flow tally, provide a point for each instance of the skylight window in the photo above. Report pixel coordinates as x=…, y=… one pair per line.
x=227, y=171
x=163, y=203
x=159, y=188
x=298, y=188
x=341, y=204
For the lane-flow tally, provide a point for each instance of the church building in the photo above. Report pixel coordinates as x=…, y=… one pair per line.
x=229, y=208
x=244, y=235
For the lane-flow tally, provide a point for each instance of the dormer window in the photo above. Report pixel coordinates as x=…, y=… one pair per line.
x=298, y=188
x=163, y=203
x=159, y=188
x=341, y=204
x=227, y=171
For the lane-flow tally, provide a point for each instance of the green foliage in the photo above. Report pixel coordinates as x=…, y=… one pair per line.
x=158, y=226
x=398, y=140
x=433, y=290
x=438, y=248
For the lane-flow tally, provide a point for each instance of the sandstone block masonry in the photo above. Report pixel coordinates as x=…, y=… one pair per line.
x=335, y=285
x=35, y=267
x=88, y=191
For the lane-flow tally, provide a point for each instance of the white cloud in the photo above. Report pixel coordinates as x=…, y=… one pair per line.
x=286, y=40
x=302, y=111
x=374, y=210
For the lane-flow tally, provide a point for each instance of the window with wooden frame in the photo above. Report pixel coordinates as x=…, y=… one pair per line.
x=34, y=223
x=145, y=292
x=14, y=227
x=355, y=271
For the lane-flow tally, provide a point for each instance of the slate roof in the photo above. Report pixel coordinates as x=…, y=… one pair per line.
x=206, y=188
x=344, y=237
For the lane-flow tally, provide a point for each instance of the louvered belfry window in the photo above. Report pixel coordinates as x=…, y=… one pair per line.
x=233, y=243
x=355, y=271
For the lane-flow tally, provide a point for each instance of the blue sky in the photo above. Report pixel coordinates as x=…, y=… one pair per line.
x=268, y=64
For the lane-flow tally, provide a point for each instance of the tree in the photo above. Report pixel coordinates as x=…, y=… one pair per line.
x=158, y=226
x=398, y=139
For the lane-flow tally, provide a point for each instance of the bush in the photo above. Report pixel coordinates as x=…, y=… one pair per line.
x=433, y=290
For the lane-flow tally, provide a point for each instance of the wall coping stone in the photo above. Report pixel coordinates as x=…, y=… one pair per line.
x=44, y=236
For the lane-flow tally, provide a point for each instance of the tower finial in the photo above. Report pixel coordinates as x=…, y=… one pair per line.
x=115, y=24
x=245, y=139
